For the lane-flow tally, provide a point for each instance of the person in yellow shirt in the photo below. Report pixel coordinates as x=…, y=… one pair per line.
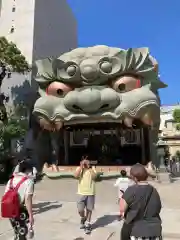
x=86, y=175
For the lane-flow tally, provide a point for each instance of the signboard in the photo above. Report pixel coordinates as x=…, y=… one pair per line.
x=126, y=137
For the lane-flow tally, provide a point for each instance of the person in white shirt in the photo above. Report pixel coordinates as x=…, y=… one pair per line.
x=122, y=183
x=25, y=191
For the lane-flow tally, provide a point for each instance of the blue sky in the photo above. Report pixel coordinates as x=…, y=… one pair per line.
x=129, y=23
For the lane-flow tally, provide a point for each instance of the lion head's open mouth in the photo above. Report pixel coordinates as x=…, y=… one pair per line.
x=146, y=113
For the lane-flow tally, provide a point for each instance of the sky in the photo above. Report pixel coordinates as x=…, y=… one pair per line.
x=129, y=23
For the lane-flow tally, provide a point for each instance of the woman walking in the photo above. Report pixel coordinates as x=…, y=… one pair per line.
x=19, y=210
x=141, y=205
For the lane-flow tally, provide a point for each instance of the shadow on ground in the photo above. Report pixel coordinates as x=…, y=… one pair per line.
x=45, y=206
x=174, y=177
x=79, y=238
x=168, y=177
x=104, y=221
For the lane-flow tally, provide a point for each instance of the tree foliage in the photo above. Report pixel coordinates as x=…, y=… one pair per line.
x=11, y=60
x=10, y=55
x=16, y=127
x=176, y=116
x=177, y=154
x=178, y=126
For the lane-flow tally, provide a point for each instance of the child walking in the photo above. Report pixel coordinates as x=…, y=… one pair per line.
x=86, y=175
x=122, y=183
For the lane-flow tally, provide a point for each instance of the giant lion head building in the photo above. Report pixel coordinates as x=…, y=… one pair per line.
x=100, y=94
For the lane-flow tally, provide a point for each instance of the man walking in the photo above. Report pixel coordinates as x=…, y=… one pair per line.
x=86, y=175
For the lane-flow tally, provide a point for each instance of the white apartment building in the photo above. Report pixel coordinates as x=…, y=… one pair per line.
x=39, y=28
x=167, y=121
x=168, y=132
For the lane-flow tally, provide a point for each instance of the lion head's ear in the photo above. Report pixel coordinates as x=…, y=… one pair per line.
x=45, y=71
x=155, y=63
x=155, y=85
x=159, y=84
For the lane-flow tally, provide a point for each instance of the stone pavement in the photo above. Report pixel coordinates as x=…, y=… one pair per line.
x=56, y=214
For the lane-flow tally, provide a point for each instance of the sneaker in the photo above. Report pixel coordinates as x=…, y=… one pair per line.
x=88, y=229
x=82, y=223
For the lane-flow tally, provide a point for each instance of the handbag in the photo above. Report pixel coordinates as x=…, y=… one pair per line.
x=141, y=213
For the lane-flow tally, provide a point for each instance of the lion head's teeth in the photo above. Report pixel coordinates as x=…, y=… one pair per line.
x=128, y=121
x=58, y=125
x=146, y=119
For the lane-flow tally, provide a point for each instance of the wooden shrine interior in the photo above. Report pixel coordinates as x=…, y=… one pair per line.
x=110, y=144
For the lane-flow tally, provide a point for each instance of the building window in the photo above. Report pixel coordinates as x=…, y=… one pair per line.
x=12, y=30
x=13, y=9
x=169, y=126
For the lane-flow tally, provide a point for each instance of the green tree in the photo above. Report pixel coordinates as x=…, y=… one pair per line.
x=11, y=59
x=176, y=116
x=16, y=127
x=178, y=126
x=178, y=155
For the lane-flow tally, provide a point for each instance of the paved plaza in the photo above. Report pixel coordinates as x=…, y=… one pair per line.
x=56, y=214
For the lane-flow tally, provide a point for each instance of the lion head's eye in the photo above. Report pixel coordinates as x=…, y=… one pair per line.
x=126, y=84
x=71, y=70
x=58, y=89
x=106, y=67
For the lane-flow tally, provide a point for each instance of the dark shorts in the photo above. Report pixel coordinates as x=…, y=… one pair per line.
x=87, y=202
